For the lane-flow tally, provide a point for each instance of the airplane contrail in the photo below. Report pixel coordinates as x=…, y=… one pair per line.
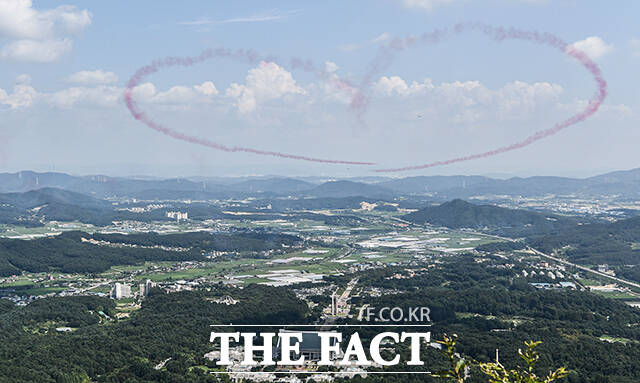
x=359, y=93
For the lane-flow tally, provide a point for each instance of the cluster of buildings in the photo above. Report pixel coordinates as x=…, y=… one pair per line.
x=142, y=209
x=605, y=269
x=604, y=206
x=123, y=290
x=178, y=215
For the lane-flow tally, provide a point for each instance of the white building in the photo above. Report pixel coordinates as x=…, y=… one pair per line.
x=145, y=288
x=178, y=215
x=334, y=305
x=120, y=291
x=226, y=300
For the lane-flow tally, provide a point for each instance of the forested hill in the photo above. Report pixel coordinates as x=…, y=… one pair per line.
x=32, y=207
x=458, y=214
x=79, y=252
x=174, y=328
x=35, y=207
x=612, y=243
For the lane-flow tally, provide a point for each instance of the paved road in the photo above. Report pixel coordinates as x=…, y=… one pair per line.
x=583, y=268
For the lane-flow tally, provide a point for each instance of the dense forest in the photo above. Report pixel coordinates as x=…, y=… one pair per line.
x=483, y=306
x=68, y=252
x=207, y=241
x=488, y=310
x=612, y=243
x=172, y=326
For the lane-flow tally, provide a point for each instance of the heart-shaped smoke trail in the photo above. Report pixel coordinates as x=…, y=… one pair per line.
x=247, y=56
x=500, y=34
x=358, y=94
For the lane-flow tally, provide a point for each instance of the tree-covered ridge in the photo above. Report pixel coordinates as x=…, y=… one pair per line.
x=75, y=312
x=35, y=207
x=70, y=252
x=613, y=243
x=207, y=241
x=461, y=214
x=490, y=310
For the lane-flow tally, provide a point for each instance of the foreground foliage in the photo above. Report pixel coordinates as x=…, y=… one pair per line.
x=497, y=373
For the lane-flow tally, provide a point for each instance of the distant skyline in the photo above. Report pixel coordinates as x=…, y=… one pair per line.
x=320, y=176
x=65, y=65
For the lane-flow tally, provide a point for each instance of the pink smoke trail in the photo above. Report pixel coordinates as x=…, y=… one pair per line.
x=500, y=34
x=243, y=55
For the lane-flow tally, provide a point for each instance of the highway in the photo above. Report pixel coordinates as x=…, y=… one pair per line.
x=583, y=268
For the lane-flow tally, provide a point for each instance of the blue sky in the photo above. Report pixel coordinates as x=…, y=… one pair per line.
x=65, y=65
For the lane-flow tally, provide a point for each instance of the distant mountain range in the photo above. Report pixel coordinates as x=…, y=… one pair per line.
x=340, y=189
x=272, y=185
x=625, y=184
x=179, y=188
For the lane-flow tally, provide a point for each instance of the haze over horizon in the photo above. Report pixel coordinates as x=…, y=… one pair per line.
x=66, y=65
x=325, y=176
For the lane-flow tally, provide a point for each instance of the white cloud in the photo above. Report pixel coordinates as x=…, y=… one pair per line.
x=38, y=35
x=93, y=77
x=395, y=85
x=382, y=38
x=144, y=92
x=35, y=50
x=176, y=95
x=429, y=5
x=463, y=93
x=110, y=96
x=147, y=93
x=269, y=85
x=331, y=89
x=245, y=98
x=23, y=96
x=207, y=88
x=331, y=67
x=272, y=15
x=104, y=96
x=425, y=4
x=181, y=94
x=635, y=47
x=23, y=79
x=19, y=20
x=266, y=82
x=521, y=97
x=593, y=46
x=460, y=98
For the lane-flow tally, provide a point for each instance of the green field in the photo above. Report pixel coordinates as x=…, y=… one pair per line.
x=42, y=290
x=50, y=228
x=615, y=294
